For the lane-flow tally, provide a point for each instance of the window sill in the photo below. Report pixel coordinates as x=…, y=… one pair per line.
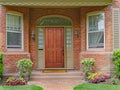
x=96, y=49
x=16, y=52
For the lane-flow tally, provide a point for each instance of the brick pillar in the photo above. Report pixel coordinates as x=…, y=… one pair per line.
x=2, y=28
x=116, y=3
x=76, y=42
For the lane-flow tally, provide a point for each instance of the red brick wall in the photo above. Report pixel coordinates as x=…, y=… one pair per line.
x=102, y=56
x=2, y=28
x=71, y=13
x=116, y=3
x=12, y=56
x=10, y=60
x=78, y=17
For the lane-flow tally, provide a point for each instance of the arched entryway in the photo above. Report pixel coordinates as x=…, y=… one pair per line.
x=54, y=38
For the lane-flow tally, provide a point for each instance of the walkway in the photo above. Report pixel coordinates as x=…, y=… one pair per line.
x=56, y=81
x=57, y=84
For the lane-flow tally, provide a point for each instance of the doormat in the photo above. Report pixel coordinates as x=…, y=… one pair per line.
x=54, y=71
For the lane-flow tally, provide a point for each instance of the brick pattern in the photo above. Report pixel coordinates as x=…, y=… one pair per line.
x=12, y=56
x=72, y=13
x=10, y=60
x=2, y=28
x=103, y=62
x=116, y=3
x=78, y=17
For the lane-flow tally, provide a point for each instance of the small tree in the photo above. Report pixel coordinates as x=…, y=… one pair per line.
x=24, y=66
x=87, y=64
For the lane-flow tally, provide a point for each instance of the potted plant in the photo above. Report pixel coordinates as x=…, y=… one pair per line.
x=24, y=65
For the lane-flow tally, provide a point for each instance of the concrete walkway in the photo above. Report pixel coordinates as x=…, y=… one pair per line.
x=57, y=84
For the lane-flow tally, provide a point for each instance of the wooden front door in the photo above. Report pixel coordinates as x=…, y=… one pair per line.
x=54, y=47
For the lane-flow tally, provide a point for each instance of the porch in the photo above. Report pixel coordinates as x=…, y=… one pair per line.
x=56, y=37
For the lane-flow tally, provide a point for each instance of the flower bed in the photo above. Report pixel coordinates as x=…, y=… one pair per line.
x=12, y=81
x=97, y=77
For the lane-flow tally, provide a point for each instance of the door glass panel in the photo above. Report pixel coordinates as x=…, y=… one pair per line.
x=68, y=37
x=40, y=38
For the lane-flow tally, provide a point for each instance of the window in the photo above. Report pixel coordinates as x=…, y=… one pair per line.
x=68, y=37
x=95, y=32
x=14, y=31
x=40, y=38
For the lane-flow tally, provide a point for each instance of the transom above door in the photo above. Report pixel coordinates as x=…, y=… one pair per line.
x=54, y=42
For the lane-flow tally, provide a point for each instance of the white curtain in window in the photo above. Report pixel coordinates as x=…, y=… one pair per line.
x=96, y=30
x=96, y=39
x=14, y=31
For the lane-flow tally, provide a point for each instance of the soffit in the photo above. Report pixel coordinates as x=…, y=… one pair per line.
x=56, y=2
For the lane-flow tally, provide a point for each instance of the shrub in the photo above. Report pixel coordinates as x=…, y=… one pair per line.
x=114, y=81
x=117, y=67
x=87, y=65
x=12, y=81
x=24, y=66
x=116, y=55
x=97, y=77
x=116, y=58
x=1, y=64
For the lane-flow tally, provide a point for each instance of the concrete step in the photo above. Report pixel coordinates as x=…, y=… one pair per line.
x=37, y=75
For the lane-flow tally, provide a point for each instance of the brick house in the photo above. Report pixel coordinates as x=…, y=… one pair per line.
x=59, y=33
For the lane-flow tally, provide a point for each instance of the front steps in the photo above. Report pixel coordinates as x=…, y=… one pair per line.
x=38, y=75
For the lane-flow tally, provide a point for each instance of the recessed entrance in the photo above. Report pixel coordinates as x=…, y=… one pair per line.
x=55, y=49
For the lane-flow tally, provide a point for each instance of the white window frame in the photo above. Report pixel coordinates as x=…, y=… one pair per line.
x=22, y=30
x=87, y=24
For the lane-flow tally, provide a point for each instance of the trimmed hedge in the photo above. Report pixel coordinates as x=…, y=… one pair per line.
x=1, y=64
x=24, y=87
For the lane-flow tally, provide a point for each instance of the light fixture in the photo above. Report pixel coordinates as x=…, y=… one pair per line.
x=76, y=34
x=33, y=35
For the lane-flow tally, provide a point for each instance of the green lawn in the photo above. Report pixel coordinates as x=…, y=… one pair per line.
x=25, y=87
x=88, y=86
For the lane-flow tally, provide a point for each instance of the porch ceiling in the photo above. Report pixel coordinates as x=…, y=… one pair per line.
x=56, y=2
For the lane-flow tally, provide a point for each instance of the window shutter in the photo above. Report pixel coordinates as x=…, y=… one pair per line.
x=116, y=28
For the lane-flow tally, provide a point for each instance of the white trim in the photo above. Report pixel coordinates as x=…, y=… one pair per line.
x=22, y=30
x=90, y=14
x=95, y=52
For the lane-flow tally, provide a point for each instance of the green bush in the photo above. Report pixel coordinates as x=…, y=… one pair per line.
x=117, y=67
x=116, y=55
x=1, y=64
x=24, y=65
x=87, y=64
x=116, y=59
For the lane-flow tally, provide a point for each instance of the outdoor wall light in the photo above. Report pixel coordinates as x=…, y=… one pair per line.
x=76, y=34
x=33, y=35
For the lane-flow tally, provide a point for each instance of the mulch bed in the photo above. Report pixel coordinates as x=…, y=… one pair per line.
x=2, y=82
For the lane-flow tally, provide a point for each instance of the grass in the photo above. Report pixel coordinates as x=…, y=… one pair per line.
x=25, y=87
x=87, y=86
